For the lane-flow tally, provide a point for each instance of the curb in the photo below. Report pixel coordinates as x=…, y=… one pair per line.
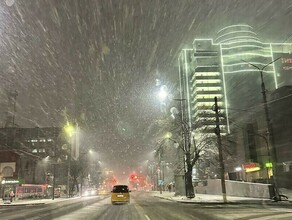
x=170, y=199
x=22, y=204
x=259, y=202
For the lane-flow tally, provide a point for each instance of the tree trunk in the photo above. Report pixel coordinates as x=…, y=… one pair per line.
x=188, y=178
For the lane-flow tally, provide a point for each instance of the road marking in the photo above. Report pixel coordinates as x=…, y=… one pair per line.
x=141, y=211
x=147, y=217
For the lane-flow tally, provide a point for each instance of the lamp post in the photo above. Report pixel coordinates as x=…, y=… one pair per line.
x=269, y=125
x=69, y=129
x=186, y=137
x=68, y=174
x=54, y=180
x=161, y=179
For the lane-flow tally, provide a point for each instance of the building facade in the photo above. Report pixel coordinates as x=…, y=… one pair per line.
x=234, y=66
x=24, y=156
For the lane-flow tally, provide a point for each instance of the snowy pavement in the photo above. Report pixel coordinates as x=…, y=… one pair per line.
x=205, y=198
x=35, y=201
x=199, y=198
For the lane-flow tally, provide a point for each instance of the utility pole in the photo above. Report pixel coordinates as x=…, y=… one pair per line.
x=54, y=180
x=54, y=170
x=68, y=174
x=221, y=162
x=159, y=173
x=160, y=180
x=269, y=126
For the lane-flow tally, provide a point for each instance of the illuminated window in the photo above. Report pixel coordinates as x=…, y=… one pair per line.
x=213, y=88
x=207, y=73
x=209, y=81
x=208, y=96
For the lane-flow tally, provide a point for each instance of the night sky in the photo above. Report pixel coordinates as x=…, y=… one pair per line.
x=97, y=60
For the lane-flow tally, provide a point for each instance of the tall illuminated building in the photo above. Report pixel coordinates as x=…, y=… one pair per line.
x=221, y=67
x=201, y=81
x=239, y=46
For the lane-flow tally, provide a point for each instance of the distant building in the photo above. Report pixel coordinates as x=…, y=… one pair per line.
x=24, y=154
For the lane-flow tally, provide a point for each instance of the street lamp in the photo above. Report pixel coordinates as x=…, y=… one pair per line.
x=163, y=94
x=186, y=136
x=268, y=121
x=69, y=130
x=158, y=150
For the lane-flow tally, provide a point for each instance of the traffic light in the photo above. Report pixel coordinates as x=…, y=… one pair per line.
x=133, y=177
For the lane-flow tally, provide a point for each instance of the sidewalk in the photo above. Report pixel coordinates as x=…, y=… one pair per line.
x=35, y=201
x=214, y=199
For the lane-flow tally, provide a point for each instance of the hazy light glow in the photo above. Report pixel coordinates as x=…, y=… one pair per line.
x=69, y=129
x=168, y=135
x=238, y=169
x=163, y=93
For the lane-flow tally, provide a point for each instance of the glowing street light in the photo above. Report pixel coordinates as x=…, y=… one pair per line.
x=69, y=129
x=168, y=135
x=163, y=94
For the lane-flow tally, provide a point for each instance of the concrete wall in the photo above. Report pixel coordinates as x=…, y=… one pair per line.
x=236, y=188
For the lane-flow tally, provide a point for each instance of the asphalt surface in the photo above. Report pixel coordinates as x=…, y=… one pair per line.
x=45, y=211
x=144, y=206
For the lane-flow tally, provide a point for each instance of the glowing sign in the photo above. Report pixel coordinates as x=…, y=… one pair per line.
x=283, y=68
x=251, y=167
x=269, y=165
x=286, y=60
x=10, y=182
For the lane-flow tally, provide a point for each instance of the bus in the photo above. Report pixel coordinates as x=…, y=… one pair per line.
x=25, y=191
